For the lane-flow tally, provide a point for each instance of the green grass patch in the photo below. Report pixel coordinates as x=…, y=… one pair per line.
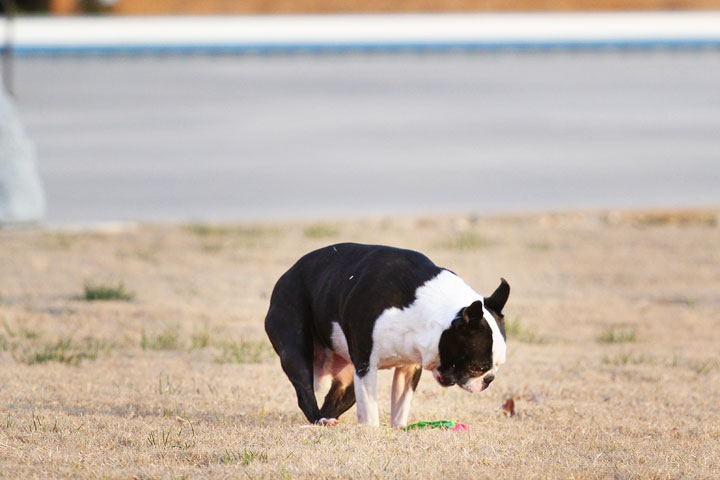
x=467, y=240
x=27, y=346
x=212, y=247
x=28, y=334
x=321, y=230
x=64, y=350
x=244, y=352
x=246, y=457
x=168, y=339
x=208, y=230
x=149, y=255
x=166, y=386
x=516, y=330
x=625, y=358
x=215, y=239
x=22, y=332
x=681, y=300
x=183, y=439
x=652, y=219
x=63, y=241
x=201, y=339
x=94, y=292
x=205, y=230
x=613, y=334
x=540, y=246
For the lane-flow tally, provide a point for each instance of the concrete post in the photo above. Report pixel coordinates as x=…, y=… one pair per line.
x=21, y=193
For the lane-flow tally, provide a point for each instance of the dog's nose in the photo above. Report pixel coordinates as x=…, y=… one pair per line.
x=487, y=380
x=445, y=382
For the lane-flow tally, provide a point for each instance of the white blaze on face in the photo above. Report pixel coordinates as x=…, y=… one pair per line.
x=499, y=347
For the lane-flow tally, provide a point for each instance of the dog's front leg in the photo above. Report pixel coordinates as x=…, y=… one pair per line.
x=366, y=397
x=405, y=382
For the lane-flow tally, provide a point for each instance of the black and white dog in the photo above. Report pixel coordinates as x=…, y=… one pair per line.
x=345, y=311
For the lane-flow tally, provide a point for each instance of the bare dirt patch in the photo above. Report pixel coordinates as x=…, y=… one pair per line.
x=613, y=367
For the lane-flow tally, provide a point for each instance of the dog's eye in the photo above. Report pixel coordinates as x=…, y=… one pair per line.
x=480, y=369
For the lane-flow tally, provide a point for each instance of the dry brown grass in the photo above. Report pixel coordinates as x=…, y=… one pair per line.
x=613, y=353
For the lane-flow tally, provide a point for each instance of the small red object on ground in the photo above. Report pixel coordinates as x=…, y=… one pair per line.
x=508, y=408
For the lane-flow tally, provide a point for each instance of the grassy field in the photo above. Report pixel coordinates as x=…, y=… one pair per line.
x=141, y=353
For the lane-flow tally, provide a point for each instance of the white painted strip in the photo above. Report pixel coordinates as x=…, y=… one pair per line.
x=29, y=32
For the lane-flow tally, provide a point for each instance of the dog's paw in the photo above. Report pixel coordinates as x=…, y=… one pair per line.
x=327, y=422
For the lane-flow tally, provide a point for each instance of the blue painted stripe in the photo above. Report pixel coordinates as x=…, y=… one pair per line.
x=344, y=48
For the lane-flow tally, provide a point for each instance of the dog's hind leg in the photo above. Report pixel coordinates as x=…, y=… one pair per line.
x=341, y=395
x=322, y=369
x=292, y=339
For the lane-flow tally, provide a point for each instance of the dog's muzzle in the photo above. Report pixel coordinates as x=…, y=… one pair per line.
x=478, y=384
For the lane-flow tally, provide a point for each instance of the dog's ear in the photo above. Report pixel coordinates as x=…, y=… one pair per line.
x=497, y=300
x=470, y=315
x=473, y=313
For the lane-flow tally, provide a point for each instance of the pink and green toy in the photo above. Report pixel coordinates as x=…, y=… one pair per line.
x=441, y=424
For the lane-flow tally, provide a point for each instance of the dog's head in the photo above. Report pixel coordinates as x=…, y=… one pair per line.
x=473, y=347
